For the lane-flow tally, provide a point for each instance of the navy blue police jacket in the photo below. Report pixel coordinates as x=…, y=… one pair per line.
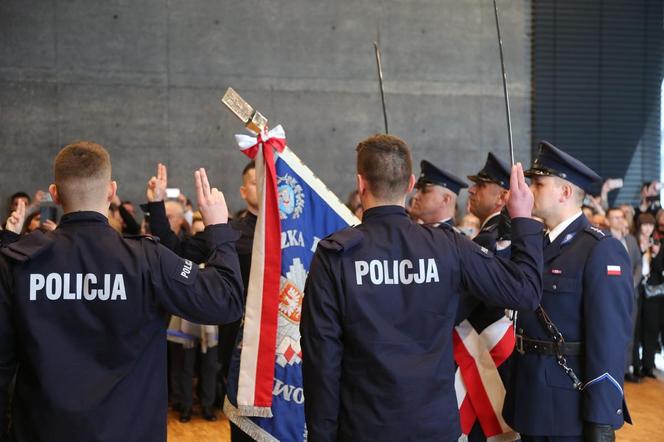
x=83, y=315
x=7, y=237
x=588, y=296
x=379, y=307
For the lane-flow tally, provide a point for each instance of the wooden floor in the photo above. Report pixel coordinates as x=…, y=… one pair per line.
x=645, y=400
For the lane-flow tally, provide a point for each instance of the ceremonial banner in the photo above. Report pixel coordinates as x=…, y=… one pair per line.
x=296, y=210
x=479, y=388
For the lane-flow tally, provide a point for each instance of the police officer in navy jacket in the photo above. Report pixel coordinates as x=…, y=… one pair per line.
x=488, y=196
x=380, y=303
x=434, y=202
x=82, y=311
x=586, y=306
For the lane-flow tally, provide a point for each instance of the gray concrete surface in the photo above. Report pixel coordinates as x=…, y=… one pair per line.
x=144, y=79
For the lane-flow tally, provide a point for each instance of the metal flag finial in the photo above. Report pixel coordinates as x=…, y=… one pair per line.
x=252, y=119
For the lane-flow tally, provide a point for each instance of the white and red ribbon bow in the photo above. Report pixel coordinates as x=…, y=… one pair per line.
x=249, y=145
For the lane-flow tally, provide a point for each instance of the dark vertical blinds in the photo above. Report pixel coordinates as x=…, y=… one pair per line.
x=597, y=76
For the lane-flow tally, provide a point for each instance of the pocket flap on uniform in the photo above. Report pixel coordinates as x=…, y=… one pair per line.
x=559, y=284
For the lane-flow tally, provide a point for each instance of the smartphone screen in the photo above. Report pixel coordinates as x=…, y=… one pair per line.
x=48, y=212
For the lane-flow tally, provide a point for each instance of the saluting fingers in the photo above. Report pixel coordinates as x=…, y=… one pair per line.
x=198, y=182
x=514, y=179
x=20, y=209
x=163, y=170
x=205, y=183
x=522, y=178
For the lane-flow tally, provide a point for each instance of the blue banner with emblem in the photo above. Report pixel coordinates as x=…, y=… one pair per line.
x=308, y=212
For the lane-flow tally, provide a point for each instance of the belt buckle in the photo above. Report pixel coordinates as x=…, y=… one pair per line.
x=519, y=345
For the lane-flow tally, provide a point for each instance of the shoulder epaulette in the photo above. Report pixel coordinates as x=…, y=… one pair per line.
x=28, y=246
x=343, y=240
x=596, y=233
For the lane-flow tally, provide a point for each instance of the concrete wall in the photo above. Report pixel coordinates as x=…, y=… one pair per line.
x=144, y=79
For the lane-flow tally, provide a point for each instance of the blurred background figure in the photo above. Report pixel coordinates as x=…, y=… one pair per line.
x=470, y=225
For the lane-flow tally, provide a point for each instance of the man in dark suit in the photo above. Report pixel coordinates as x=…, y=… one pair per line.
x=567, y=378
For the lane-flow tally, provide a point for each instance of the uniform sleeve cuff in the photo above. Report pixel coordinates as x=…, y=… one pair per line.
x=156, y=208
x=526, y=226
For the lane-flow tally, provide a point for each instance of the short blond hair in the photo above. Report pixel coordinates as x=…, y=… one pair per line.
x=82, y=170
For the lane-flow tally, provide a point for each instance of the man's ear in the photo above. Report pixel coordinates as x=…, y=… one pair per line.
x=361, y=184
x=243, y=192
x=566, y=192
x=504, y=196
x=411, y=183
x=112, y=189
x=55, y=196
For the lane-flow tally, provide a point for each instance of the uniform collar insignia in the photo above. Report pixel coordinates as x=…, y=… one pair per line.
x=567, y=238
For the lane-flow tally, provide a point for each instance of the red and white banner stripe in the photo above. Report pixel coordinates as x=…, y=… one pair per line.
x=479, y=387
x=261, y=313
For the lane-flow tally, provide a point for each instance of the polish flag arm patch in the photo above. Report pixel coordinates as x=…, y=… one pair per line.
x=613, y=270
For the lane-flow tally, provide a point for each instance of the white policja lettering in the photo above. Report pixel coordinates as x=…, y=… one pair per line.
x=384, y=272
x=78, y=286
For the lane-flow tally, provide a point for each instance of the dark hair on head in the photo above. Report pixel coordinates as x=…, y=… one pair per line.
x=384, y=161
x=644, y=218
x=28, y=221
x=82, y=170
x=250, y=165
x=19, y=195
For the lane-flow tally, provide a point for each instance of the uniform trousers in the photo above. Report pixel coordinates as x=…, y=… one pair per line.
x=207, y=381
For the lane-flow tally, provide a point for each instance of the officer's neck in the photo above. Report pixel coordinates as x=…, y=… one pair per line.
x=369, y=201
x=561, y=215
x=439, y=216
x=84, y=208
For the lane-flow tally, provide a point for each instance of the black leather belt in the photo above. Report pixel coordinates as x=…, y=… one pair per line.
x=527, y=345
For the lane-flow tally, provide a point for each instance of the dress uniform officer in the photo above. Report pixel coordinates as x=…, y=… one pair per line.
x=487, y=196
x=567, y=379
x=83, y=311
x=436, y=196
x=380, y=302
